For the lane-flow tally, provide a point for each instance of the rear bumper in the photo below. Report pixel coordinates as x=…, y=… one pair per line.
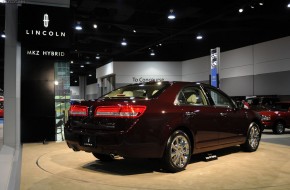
x=111, y=142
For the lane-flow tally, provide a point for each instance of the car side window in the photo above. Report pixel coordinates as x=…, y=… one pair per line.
x=219, y=99
x=191, y=96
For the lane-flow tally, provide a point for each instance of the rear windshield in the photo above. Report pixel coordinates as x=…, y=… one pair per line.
x=144, y=90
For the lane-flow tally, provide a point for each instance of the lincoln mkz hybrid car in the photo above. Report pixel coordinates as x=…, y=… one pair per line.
x=166, y=120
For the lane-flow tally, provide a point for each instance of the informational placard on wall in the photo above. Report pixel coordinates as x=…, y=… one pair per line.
x=146, y=78
x=214, y=66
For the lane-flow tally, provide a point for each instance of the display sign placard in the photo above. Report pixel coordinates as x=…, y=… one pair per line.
x=42, y=26
x=214, y=66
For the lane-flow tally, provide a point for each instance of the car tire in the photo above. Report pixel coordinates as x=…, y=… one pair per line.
x=253, y=138
x=177, y=152
x=104, y=157
x=279, y=128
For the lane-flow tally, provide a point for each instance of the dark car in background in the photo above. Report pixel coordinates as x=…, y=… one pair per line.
x=276, y=117
x=166, y=120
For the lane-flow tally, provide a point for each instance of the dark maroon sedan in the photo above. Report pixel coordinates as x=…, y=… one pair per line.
x=167, y=120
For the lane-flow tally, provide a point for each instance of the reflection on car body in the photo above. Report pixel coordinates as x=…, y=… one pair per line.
x=166, y=120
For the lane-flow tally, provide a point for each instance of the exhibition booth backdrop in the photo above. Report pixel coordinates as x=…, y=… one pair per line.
x=259, y=69
x=44, y=33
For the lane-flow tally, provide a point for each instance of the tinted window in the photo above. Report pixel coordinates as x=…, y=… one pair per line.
x=146, y=90
x=219, y=99
x=191, y=96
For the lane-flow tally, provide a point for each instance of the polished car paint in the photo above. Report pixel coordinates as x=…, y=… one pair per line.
x=208, y=119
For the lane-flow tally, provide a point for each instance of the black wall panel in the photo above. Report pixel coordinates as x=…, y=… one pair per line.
x=37, y=100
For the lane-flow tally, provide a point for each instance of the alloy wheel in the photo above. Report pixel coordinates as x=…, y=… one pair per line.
x=254, y=136
x=179, y=151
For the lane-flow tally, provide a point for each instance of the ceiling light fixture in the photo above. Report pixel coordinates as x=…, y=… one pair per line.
x=171, y=15
x=152, y=53
x=261, y=3
x=71, y=62
x=3, y=36
x=241, y=10
x=134, y=31
x=288, y=5
x=90, y=75
x=71, y=72
x=78, y=26
x=56, y=83
x=98, y=56
x=95, y=26
x=199, y=37
x=124, y=42
x=82, y=66
x=76, y=81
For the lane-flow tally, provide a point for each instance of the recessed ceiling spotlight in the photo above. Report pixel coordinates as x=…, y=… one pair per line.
x=78, y=26
x=261, y=3
x=76, y=81
x=199, y=37
x=160, y=44
x=171, y=15
x=56, y=83
x=241, y=10
x=71, y=72
x=88, y=62
x=134, y=31
x=3, y=36
x=124, y=42
x=288, y=5
x=252, y=6
x=71, y=62
x=98, y=56
x=82, y=66
x=95, y=26
x=152, y=53
x=90, y=75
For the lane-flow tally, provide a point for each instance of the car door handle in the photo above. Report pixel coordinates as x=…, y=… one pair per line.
x=190, y=114
x=223, y=114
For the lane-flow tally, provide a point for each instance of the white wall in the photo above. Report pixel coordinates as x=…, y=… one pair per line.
x=196, y=70
x=243, y=71
x=259, y=69
x=272, y=56
x=105, y=70
x=142, y=71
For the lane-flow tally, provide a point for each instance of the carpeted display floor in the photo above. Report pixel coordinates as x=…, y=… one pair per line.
x=55, y=166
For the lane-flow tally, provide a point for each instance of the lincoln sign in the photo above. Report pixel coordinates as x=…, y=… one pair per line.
x=42, y=26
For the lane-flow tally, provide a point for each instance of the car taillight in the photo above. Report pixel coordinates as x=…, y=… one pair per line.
x=76, y=110
x=131, y=111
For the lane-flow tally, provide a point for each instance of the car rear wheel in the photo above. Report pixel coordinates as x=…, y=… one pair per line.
x=253, y=138
x=104, y=157
x=279, y=128
x=177, y=152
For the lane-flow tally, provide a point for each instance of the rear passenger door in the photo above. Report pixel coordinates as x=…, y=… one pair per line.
x=195, y=107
